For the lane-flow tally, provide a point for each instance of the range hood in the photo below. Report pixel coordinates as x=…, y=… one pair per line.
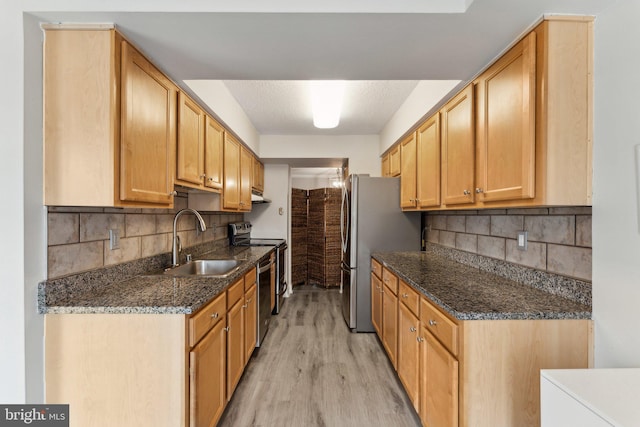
x=258, y=198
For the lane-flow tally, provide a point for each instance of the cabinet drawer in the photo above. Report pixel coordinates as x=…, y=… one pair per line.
x=390, y=279
x=376, y=268
x=409, y=297
x=206, y=318
x=443, y=328
x=249, y=279
x=235, y=293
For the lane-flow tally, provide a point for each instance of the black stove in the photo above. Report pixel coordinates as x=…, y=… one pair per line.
x=240, y=235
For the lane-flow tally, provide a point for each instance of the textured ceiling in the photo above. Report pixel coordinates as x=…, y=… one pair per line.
x=279, y=107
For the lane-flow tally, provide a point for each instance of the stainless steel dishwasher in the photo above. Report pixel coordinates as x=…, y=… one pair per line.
x=264, y=298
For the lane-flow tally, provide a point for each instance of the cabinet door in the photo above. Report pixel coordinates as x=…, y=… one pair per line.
x=390, y=324
x=428, y=168
x=231, y=186
x=235, y=346
x=458, y=149
x=408, y=173
x=213, y=153
x=258, y=175
x=246, y=171
x=439, y=384
x=207, y=385
x=250, y=322
x=376, y=304
x=148, y=131
x=394, y=161
x=190, y=151
x=385, y=166
x=409, y=353
x=506, y=105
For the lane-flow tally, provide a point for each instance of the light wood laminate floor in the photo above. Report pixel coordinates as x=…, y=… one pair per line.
x=312, y=371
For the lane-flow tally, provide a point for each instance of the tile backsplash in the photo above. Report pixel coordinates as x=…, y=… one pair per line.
x=559, y=239
x=78, y=237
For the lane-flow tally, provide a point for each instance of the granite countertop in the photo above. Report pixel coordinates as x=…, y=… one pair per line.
x=468, y=293
x=149, y=293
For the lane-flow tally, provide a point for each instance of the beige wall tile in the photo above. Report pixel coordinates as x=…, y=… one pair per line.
x=570, y=261
x=583, y=230
x=433, y=236
x=155, y=244
x=456, y=223
x=506, y=225
x=493, y=247
x=187, y=221
x=164, y=223
x=439, y=222
x=140, y=225
x=535, y=256
x=129, y=250
x=63, y=228
x=467, y=242
x=551, y=228
x=96, y=226
x=448, y=238
x=478, y=224
x=74, y=258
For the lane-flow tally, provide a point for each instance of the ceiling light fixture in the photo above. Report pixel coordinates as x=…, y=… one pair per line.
x=326, y=101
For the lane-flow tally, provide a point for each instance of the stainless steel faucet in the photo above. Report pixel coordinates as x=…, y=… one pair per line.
x=176, y=239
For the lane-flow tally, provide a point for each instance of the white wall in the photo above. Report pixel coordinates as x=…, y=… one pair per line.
x=361, y=150
x=266, y=218
x=616, y=237
x=423, y=98
x=12, y=170
x=218, y=98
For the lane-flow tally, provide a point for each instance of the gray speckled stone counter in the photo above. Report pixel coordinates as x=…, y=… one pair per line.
x=468, y=293
x=150, y=293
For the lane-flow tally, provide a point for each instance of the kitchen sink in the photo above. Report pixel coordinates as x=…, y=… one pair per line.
x=206, y=267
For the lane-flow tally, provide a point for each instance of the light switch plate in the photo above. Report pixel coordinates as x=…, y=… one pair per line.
x=114, y=239
x=522, y=240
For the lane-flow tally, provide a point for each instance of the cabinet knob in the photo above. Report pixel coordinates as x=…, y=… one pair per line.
x=210, y=179
x=419, y=339
x=412, y=329
x=479, y=190
x=405, y=295
x=245, y=305
x=432, y=323
x=203, y=176
x=173, y=193
x=214, y=316
x=466, y=192
x=227, y=329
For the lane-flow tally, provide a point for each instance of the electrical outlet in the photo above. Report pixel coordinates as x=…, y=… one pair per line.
x=522, y=240
x=114, y=239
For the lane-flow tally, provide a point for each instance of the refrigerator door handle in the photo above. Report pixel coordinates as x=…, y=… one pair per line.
x=344, y=219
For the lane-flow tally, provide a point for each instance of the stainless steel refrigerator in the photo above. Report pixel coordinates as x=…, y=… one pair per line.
x=371, y=220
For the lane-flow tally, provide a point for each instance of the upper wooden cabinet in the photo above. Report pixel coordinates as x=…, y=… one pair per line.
x=190, y=148
x=109, y=123
x=394, y=161
x=385, y=166
x=458, y=149
x=428, y=159
x=231, y=186
x=246, y=173
x=258, y=176
x=408, y=173
x=213, y=154
x=505, y=137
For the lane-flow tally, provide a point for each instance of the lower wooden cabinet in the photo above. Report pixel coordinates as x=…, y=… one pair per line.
x=376, y=303
x=471, y=373
x=409, y=353
x=235, y=345
x=207, y=373
x=250, y=322
x=390, y=323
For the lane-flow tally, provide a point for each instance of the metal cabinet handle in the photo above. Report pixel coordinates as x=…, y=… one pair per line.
x=466, y=192
x=479, y=190
x=432, y=323
x=419, y=339
x=214, y=316
x=412, y=329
